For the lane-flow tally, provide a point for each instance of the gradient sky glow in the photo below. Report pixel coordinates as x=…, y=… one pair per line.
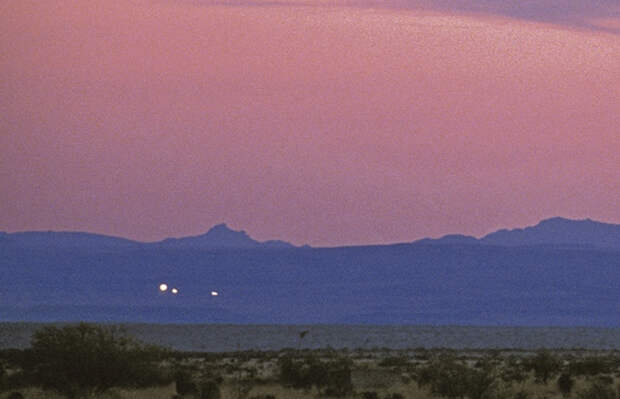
x=308, y=121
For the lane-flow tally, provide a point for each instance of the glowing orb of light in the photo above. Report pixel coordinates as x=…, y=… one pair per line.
x=174, y=291
x=163, y=287
x=214, y=293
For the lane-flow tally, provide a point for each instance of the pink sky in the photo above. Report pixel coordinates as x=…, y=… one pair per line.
x=313, y=123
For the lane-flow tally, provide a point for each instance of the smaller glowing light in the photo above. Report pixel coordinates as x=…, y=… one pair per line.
x=163, y=287
x=214, y=293
x=174, y=291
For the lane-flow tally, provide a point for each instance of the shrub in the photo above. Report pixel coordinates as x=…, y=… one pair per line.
x=597, y=390
x=591, y=366
x=83, y=360
x=480, y=380
x=565, y=384
x=184, y=384
x=209, y=390
x=545, y=366
x=446, y=378
x=395, y=362
x=296, y=374
x=514, y=371
x=370, y=395
x=338, y=382
x=605, y=379
x=522, y=394
x=331, y=378
x=449, y=378
x=3, y=377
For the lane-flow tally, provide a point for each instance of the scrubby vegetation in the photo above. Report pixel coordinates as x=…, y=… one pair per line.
x=329, y=377
x=80, y=361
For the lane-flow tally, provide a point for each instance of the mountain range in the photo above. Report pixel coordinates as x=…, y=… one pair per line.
x=554, y=231
x=558, y=272
x=218, y=237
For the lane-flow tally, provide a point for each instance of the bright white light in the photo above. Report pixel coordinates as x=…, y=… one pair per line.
x=214, y=293
x=163, y=287
x=174, y=291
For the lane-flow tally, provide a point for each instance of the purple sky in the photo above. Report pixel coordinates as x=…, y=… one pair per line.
x=307, y=121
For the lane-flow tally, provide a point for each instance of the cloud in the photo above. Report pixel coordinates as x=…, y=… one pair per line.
x=602, y=15
x=577, y=13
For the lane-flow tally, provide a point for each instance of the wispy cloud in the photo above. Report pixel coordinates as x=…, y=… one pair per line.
x=603, y=15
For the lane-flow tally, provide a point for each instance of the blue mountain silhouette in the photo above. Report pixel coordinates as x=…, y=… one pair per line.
x=221, y=236
x=559, y=272
x=218, y=237
x=555, y=231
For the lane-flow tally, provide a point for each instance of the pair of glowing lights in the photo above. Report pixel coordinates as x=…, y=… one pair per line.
x=163, y=287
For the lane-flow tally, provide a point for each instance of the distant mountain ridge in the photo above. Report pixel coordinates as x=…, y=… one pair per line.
x=556, y=231
x=560, y=231
x=218, y=237
x=65, y=239
x=221, y=236
x=558, y=272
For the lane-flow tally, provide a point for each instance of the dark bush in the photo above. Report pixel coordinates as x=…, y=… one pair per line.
x=394, y=396
x=338, y=382
x=565, y=384
x=209, y=390
x=83, y=360
x=184, y=383
x=17, y=380
x=15, y=395
x=370, y=395
x=331, y=378
x=446, y=377
x=297, y=373
x=605, y=379
x=514, y=371
x=3, y=378
x=597, y=390
x=545, y=366
x=449, y=378
x=591, y=366
x=394, y=362
x=479, y=382
x=522, y=394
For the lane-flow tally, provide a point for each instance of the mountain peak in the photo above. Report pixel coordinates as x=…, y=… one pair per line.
x=559, y=231
x=220, y=227
x=221, y=236
x=555, y=231
x=555, y=220
x=558, y=220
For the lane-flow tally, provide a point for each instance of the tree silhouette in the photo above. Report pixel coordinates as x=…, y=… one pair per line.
x=79, y=361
